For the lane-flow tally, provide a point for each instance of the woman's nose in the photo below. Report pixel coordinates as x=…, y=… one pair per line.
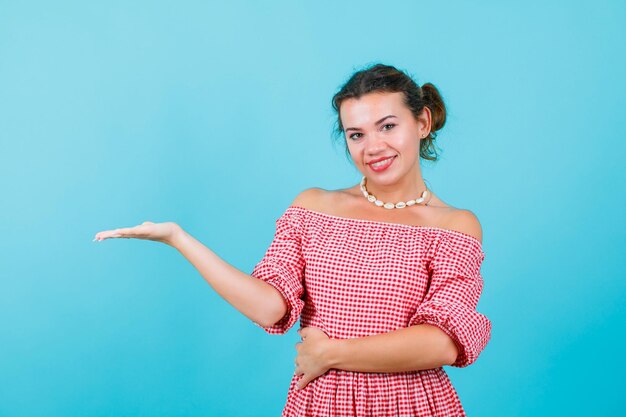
x=376, y=144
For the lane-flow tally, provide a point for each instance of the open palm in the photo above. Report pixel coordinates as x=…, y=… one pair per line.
x=159, y=232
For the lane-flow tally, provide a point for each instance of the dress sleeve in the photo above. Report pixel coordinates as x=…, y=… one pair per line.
x=454, y=289
x=282, y=267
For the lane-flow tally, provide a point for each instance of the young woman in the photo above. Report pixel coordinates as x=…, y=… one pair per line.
x=384, y=276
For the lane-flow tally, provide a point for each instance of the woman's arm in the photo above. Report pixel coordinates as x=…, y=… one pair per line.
x=413, y=348
x=256, y=299
x=407, y=349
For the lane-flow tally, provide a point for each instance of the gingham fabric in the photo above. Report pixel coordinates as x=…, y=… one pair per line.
x=356, y=277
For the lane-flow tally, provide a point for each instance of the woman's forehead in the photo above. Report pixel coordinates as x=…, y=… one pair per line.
x=371, y=107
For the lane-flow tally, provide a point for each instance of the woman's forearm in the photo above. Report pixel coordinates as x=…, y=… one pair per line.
x=407, y=349
x=254, y=298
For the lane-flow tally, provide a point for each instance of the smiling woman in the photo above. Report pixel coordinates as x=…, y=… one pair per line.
x=386, y=297
x=380, y=79
x=384, y=276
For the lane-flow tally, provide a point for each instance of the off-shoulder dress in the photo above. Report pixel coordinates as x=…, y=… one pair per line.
x=356, y=277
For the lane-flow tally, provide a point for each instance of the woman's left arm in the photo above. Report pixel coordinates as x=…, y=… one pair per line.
x=406, y=349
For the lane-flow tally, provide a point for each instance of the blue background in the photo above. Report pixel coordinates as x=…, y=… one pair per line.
x=215, y=115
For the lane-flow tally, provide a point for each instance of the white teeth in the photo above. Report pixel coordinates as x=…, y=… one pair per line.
x=381, y=163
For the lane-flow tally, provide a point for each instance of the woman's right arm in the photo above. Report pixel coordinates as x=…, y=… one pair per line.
x=256, y=299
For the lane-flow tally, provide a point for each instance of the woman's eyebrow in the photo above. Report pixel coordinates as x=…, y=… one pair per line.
x=380, y=121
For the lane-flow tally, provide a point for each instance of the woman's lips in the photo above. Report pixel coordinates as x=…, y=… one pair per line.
x=386, y=165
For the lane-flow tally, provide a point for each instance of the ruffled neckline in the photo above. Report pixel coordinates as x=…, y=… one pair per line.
x=457, y=233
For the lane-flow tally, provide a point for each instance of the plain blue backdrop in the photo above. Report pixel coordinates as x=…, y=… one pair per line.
x=216, y=114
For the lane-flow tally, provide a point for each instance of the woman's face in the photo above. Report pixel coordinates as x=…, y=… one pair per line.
x=380, y=125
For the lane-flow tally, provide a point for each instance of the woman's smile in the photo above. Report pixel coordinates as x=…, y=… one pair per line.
x=382, y=165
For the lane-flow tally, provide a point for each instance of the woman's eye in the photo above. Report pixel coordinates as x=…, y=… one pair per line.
x=352, y=136
x=389, y=124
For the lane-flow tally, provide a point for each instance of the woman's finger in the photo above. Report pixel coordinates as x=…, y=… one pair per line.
x=145, y=230
x=126, y=232
x=138, y=232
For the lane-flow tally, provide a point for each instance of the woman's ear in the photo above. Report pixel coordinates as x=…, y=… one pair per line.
x=424, y=122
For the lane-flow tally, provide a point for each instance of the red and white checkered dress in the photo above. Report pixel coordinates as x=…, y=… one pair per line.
x=356, y=277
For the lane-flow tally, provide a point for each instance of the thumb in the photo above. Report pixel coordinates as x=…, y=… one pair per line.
x=147, y=223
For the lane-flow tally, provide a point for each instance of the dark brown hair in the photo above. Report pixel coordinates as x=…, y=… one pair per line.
x=385, y=78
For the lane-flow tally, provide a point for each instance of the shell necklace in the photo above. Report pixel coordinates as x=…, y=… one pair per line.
x=400, y=204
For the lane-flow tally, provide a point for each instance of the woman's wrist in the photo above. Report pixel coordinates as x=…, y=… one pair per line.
x=178, y=237
x=335, y=353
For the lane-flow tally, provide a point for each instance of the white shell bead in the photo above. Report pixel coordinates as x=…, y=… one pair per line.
x=401, y=204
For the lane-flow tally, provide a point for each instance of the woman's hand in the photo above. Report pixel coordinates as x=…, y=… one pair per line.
x=313, y=357
x=159, y=232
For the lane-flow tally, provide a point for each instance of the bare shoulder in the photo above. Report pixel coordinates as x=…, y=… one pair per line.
x=310, y=198
x=465, y=221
